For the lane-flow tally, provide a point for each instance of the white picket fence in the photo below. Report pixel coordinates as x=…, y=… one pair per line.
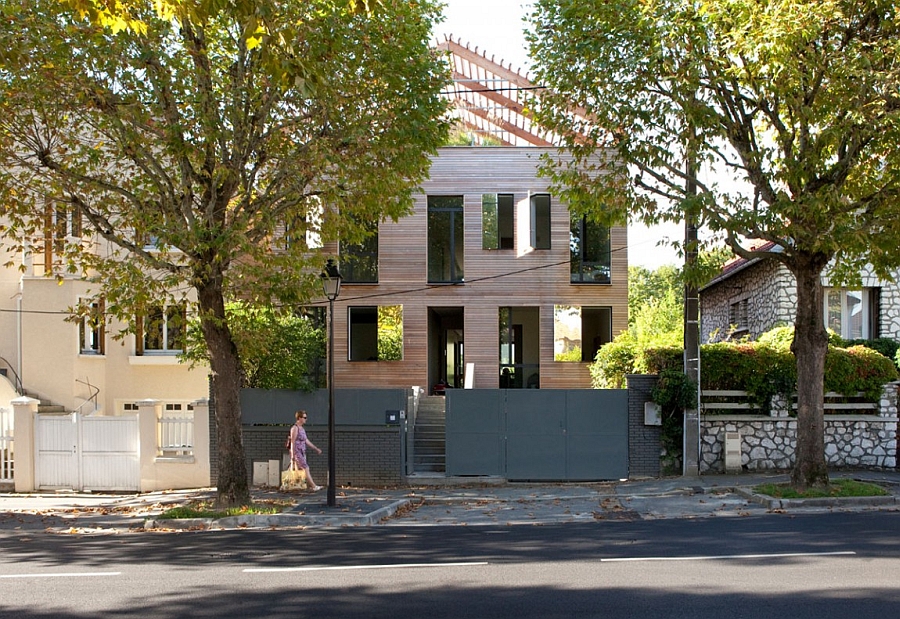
x=6, y=445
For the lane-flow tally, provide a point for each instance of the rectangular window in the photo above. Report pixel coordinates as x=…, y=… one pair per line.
x=579, y=332
x=163, y=330
x=519, y=347
x=445, y=239
x=847, y=313
x=92, y=331
x=376, y=333
x=540, y=221
x=497, y=230
x=738, y=316
x=359, y=261
x=589, y=252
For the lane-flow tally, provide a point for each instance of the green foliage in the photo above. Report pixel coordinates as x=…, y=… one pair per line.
x=652, y=287
x=278, y=350
x=835, y=488
x=206, y=509
x=655, y=318
x=858, y=369
x=573, y=354
x=886, y=346
x=390, y=333
x=674, y=393
x=613, y=363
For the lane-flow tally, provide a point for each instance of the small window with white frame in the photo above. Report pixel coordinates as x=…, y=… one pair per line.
x=161, y=331
x=848, y=312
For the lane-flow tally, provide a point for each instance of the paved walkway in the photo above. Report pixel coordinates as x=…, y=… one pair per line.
x=457, y=502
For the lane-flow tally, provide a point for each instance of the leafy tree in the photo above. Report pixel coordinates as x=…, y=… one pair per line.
x=651, y=287
x=189, y=134
x=792, y=102
x=278, y=349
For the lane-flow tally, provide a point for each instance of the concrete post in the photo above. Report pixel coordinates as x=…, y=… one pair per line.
x=24, y=410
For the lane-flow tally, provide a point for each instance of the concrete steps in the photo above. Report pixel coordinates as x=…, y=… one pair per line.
x=429, y=436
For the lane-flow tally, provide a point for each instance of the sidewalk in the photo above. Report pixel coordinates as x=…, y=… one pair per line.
x=456, y=502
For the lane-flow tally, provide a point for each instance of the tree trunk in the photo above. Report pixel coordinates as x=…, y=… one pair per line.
x=227, y=378
x=810, y=346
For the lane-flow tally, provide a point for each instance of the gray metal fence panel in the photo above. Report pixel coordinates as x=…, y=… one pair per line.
x=546, y=434
x=357, y=407
x=597, y=424
x=536, y=434
x=474, y=430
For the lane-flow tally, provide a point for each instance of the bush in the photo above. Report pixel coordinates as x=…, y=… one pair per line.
x=886, y=346
x=613, y=362
x=858, y=369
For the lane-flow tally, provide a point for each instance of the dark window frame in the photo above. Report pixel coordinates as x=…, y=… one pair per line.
x=587, y=264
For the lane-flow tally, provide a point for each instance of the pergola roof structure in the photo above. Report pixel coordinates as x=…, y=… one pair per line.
x=490, y=99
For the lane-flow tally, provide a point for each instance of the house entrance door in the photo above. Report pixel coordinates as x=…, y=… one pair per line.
x=446, y=354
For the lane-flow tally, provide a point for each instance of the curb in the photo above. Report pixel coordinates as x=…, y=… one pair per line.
x=773, y=503
x=267, y=521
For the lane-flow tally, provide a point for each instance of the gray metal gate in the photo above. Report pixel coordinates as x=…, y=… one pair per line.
x=538, y=434
x=87, y=452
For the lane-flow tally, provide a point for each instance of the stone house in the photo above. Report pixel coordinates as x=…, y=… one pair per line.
x=750, y=297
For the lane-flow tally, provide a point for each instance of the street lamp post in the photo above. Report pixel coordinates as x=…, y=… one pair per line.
x=331, y=283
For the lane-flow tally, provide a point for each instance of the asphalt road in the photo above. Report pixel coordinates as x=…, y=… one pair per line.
x=803, y=566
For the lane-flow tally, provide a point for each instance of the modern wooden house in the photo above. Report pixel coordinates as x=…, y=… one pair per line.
x=491, y=280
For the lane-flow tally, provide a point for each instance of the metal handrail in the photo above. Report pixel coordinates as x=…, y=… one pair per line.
x=91, y=398
x=17, y=384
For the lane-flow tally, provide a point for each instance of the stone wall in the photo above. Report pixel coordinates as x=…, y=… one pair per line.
x=770, y=292
x=768, y=443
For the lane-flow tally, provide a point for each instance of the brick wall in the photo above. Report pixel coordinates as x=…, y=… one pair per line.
x=643, y=440
x=366, y=455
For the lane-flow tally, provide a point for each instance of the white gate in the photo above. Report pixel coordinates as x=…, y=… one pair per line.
x=6, y=445
x=86, y=452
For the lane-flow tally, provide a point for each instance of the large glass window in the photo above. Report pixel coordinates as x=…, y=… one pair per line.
x=848, y=313
x=445, y=239
x=579, y=332
x=376, y=333
x=519, y=347
x=589, y=252
x=540, y=221
x=359, y=261
x=497, y=230
x=163, y=330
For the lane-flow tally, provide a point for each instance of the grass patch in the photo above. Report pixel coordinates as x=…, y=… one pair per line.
x=206, y=509
x=837, y=488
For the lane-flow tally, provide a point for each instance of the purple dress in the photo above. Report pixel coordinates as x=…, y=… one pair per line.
x=299, y=455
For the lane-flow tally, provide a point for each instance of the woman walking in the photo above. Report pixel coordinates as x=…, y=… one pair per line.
x=299, y=441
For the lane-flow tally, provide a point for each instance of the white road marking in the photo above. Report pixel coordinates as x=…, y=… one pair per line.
x=359, y=567
x=62, y=575
x=720, y=557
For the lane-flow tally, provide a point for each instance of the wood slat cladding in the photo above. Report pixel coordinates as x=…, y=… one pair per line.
x=519, y=277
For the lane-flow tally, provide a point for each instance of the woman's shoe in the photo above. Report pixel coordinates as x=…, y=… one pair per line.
x=316, y=488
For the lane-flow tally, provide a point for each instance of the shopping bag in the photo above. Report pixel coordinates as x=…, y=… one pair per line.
x=293, y=479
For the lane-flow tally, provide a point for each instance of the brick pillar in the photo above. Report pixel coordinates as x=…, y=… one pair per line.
x=643, y=440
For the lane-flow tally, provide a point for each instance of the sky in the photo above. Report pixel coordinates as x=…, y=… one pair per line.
x=496, y=26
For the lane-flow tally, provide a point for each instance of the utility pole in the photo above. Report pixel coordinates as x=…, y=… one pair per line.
x=691, y=448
